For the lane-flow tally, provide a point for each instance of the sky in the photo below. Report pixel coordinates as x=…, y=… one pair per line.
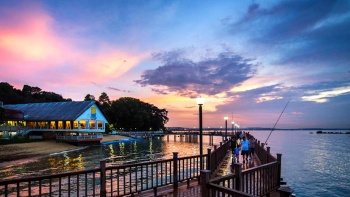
x=247, y=59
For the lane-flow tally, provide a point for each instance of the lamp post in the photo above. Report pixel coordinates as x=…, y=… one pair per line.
x=233, y=125
x=226, y=118
x=200, y=102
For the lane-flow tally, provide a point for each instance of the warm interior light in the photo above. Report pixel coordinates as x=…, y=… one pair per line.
x=200, y=100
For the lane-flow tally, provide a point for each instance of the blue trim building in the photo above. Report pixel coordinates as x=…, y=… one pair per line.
x=76, y=121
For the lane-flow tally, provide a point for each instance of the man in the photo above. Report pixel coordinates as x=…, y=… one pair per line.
x=245, y=149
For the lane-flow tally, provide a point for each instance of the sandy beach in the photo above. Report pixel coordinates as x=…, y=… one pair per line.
x=14, y=152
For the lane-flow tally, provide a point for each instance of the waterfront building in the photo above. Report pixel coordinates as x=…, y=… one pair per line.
x=75, y=121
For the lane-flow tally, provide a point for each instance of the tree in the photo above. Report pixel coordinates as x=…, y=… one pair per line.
x=130, y=114
x=2, y=115
x=10, y=95
x=89, y=97
x=104, y=102
x=31, y=90
x=28, y=94
x=104, y=99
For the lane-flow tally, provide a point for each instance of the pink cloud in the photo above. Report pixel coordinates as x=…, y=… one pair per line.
x=29, y=37
x=33, y=53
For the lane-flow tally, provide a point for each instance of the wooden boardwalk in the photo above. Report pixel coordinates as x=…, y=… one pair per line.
x=192, y=188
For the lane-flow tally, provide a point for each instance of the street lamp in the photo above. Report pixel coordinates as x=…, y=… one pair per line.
x=233, y=125
x=226, y=118
x=200, y=102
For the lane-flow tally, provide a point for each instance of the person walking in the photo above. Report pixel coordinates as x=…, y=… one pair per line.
x=245, y=149
x=236, y=154
x=251, y=147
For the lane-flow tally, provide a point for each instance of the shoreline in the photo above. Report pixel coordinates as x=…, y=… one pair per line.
x=20, y=153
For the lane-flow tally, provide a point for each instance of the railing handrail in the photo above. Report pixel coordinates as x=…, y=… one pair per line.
x=230, y=176
x=184, y=168
x=225, y=190
x=270, y=165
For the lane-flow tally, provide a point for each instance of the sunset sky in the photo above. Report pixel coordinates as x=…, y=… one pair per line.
x=246, y=58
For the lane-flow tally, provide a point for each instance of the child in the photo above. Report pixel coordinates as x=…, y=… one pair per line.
x=236, y=154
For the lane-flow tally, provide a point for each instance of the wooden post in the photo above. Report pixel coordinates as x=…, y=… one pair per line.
x=175, y=173
x=216, y=153
x=238, y=171
x=267, y=155
x=208, y=159
x=285, y=191
x=279, y=159
x=103, y=178
x=205, y=178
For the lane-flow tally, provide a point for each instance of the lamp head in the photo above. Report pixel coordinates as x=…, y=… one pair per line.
x=200, y=100
x=226, y=118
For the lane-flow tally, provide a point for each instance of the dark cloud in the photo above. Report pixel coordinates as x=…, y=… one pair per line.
x=297, y=92
x=325, y=85
x=308, y=31
x=189, y=78
x=117, y=89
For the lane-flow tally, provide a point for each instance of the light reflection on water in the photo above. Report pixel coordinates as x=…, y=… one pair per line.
x=117, y=153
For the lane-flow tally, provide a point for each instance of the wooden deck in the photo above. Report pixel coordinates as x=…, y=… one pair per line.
x=192, y=188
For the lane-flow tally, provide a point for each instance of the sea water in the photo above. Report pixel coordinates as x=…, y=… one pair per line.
x=312, y=164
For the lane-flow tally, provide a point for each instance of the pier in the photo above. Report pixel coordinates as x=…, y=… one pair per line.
x=170, y=177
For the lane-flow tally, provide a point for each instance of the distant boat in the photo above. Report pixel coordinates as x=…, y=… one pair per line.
x=319, y=132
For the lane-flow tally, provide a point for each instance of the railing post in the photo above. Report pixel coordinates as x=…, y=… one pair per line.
x=238, y=171
x=175, y=173
x=209, y=159
x=215, y=153
x=279, y=159
x=204, y=177
x=267, y=155
x=103, y=178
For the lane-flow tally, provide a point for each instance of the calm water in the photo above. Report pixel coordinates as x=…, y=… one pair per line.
x=312, y=164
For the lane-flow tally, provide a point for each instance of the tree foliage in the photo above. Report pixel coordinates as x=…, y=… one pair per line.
x=2, y=115
x=132, y=114
x=104, y=102
x=28, y=94
x=89, y=97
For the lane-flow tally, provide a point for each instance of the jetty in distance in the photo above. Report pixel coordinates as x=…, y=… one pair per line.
x=332, y=132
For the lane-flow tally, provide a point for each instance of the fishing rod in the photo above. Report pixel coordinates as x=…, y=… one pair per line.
x=277, y=121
